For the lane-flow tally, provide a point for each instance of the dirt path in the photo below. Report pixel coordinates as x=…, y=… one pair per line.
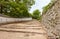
x=24, y=30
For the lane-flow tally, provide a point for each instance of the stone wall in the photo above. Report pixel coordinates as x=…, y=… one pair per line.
x=51, y=20
x=4, y=20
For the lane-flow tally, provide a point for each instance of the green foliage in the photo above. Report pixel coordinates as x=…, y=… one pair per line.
x=18, y=8
x=36, y=14
x=47, y=7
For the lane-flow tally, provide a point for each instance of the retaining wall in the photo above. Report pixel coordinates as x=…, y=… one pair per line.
x=9, y=20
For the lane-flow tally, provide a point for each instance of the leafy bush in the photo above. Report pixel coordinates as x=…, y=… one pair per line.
x=36, y=15
x=15, y=8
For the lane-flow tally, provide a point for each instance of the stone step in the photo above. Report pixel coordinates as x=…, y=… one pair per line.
x=21, y=26
x=38, y=28
x=14, y=35
x=41, y=31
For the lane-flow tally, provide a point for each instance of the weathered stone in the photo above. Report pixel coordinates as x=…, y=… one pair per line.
x=51, y=19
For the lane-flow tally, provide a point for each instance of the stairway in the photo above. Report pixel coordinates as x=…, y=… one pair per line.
x=25, y=30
